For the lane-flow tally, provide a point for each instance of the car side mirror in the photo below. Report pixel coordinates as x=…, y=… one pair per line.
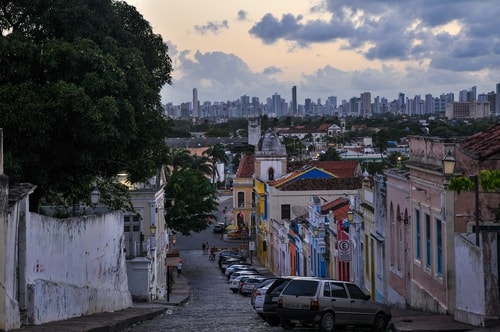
x=367, y=297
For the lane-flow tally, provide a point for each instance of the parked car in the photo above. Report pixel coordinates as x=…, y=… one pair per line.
x=266, y=302
x=219, y=228
x=258, y=291
x=230, y=260
x=247, y=286
x=246, y=273
x=235, y=283
x=237, y=267
x=329, y=304
x=229, y=252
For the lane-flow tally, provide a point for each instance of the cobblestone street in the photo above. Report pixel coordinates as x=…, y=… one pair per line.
x=212, y=306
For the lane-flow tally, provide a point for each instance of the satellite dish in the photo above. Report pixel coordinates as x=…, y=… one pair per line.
x=425, y=130
x=298, y=210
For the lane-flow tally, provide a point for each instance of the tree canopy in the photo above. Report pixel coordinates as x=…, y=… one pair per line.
x=80, y=85
x=190, y=198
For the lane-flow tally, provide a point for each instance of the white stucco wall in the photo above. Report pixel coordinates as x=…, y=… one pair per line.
x=470, y=302
x=75, y=267
x=9, y=306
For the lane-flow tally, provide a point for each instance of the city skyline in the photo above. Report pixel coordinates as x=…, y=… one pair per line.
x=226, y=49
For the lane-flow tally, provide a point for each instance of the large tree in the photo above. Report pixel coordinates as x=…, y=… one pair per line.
x=190, y=199
x=216, y=154
x=80, y=88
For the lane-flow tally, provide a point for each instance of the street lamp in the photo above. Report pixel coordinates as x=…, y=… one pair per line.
x=350, y=216
x=95, y=196
x=449, y=163
x=152, y=229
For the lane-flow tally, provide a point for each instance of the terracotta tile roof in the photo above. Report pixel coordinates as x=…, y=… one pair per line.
x=352, y=183
x=246, y=168
x=324, y=126
x=339, y=207
x=483, y=144
x=341, y=169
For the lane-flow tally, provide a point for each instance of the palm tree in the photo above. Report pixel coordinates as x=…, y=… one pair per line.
x=216, y=154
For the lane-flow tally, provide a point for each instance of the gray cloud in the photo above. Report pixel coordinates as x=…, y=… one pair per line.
x=242, y=15
x=211, y=27
x=399, y=30
x=220, y=76
x=272, y=70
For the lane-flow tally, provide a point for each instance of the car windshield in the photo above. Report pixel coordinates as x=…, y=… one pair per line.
x=301, y=288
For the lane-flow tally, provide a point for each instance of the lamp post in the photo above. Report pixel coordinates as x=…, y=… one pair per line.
x=152, y=230
x=449, y=163
x=95, y=196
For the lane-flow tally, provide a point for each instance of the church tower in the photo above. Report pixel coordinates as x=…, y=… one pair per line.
x=253, y=131
x=270, y=157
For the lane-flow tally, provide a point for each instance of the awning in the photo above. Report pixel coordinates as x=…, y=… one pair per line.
x=231, y=227
x=173, y=261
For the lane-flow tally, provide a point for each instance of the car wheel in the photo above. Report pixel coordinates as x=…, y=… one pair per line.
x=273, y=321
x=234, y=290
x=287, y=325
x=327, y=323
x=380, y=323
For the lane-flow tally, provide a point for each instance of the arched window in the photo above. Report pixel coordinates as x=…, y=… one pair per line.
x=241, y=199
x=270, y=174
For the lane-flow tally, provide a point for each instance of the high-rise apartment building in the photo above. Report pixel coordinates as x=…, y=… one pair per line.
x=366, y=104
x=294, y=100
x=307, y=105
x=429, y=104
x=196, y=105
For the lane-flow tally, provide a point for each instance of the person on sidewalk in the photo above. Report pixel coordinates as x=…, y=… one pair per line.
x=203, y=247
x=212, y=253
x=179, y=268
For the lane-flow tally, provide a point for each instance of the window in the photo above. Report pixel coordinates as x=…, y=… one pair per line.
x=326, y=290
x=418, y=249
x=439, y=248
x=338, y=290
x=301, y=288
x=132, y=233
x=241, y=199
x=355, y=292
x=285, y=211
x=428, y=240
x=270, y=174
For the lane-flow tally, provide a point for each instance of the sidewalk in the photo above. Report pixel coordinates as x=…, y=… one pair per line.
x=403, y=320
x=119, y=320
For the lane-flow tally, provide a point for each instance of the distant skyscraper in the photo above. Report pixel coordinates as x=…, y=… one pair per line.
x=294, y=100
x=307, y=106
x=401, y=101
x=196, y=106
x=366, y=104
x=497, y=99
x=429, y=104
x=276, y=105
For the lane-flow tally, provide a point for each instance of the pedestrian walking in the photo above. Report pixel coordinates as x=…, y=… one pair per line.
x=179, y=268
x=203, y=247
x=206, y=246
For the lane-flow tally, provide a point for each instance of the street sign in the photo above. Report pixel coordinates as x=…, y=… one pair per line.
x=251, y=245
x=345, y=251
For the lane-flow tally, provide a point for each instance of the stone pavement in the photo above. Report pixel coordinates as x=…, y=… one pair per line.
x=403, y=320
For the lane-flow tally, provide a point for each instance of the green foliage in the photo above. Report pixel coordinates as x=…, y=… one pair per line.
x=488, y=179
x=80, y=95
x=461, y=184
x=331, y=154
x=194, y=201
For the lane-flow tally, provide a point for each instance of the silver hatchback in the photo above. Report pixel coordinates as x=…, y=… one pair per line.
x=329, y=304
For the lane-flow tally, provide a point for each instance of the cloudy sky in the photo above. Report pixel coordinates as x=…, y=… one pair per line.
x=230, y=48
